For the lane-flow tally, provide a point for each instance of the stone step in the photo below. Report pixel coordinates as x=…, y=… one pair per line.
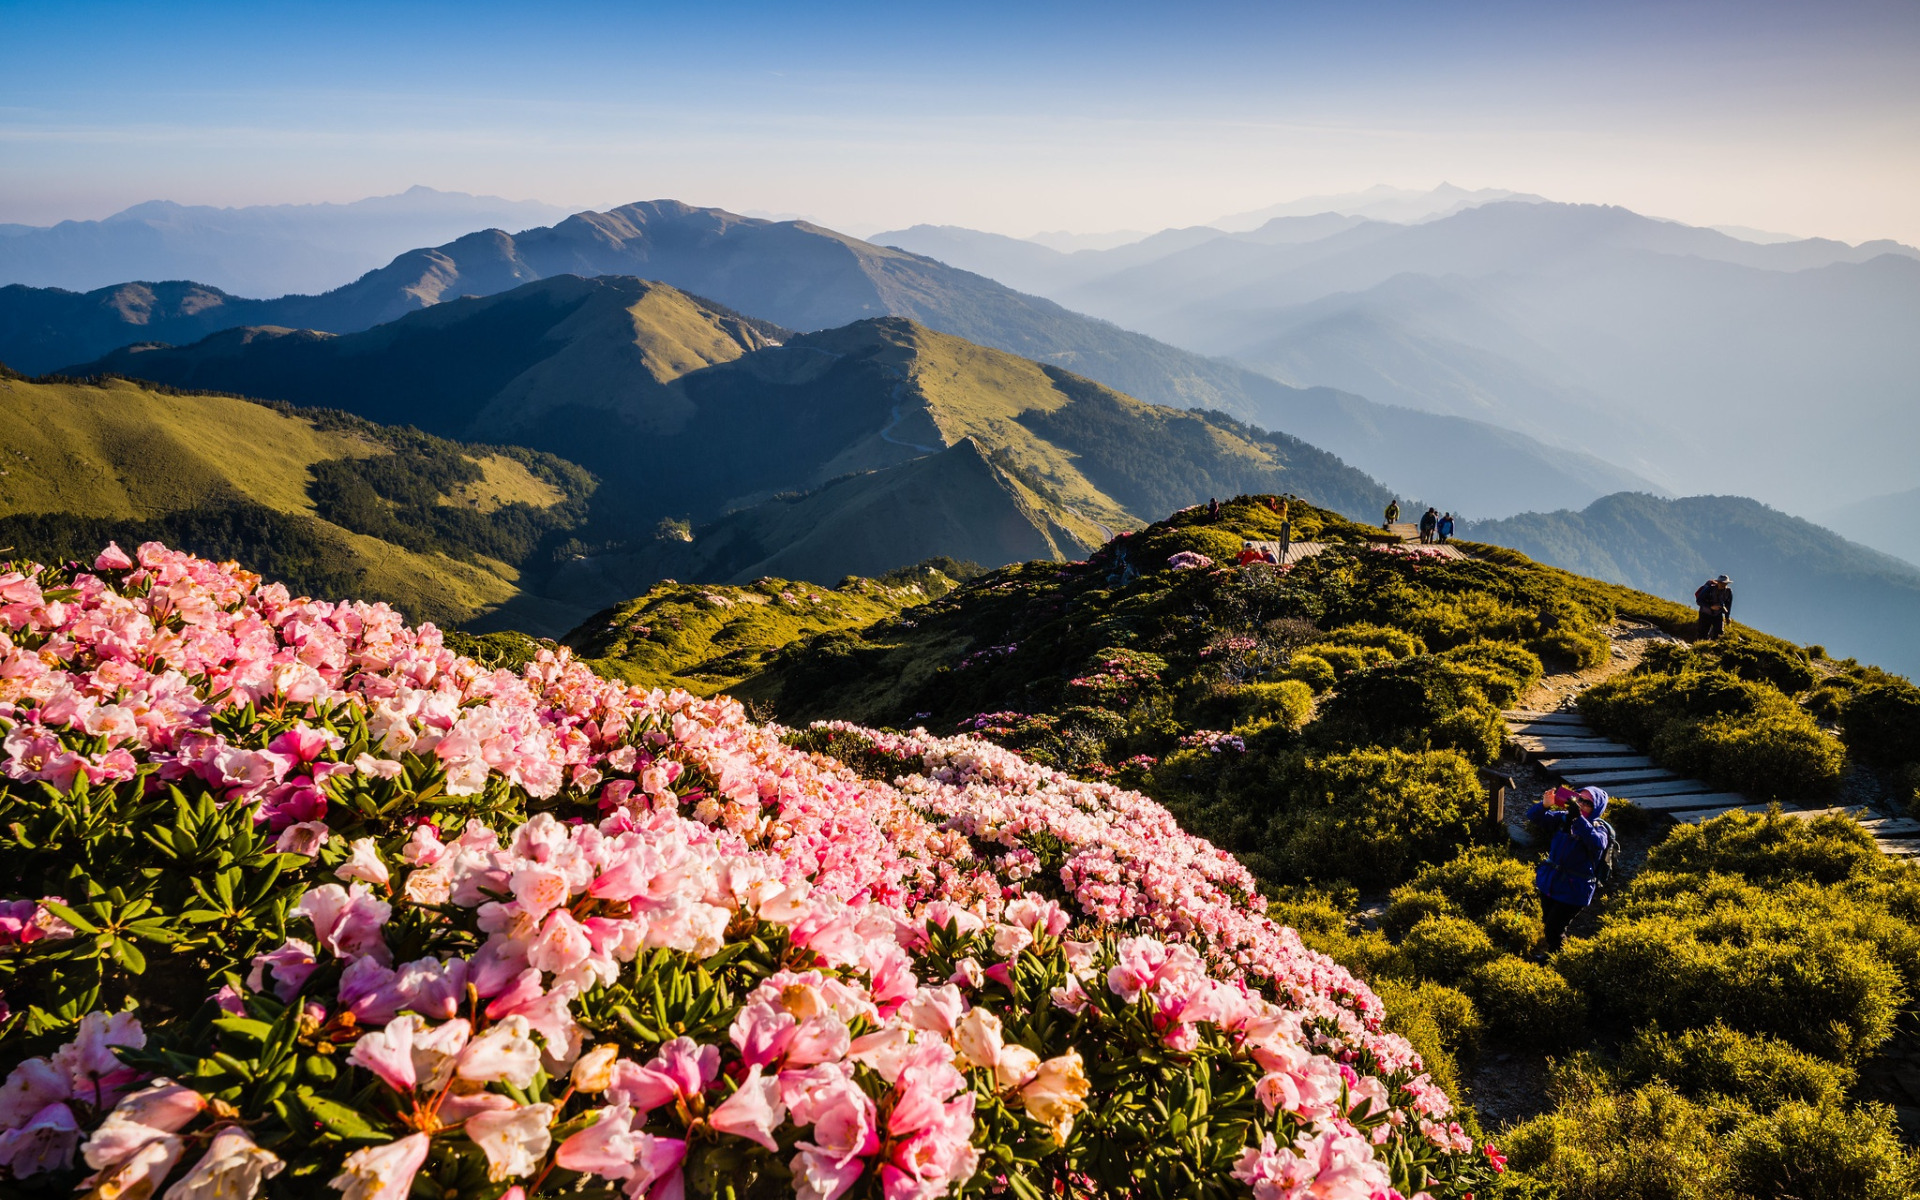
x=1892, y=827
x=1616, y=780
x=1521, y=717
x=1858, y=812
x=1720, y=801
x=1707, y=814
x=1572, y=747
x=1668, y=787
x=1900, y=847
x=1603, y=762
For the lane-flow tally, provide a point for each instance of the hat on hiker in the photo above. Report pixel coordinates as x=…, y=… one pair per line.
x=1595, y=797
x=1723, y=579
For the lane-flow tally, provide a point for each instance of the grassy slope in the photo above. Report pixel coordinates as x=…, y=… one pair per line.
x=1791, y=577
x=707, y=637
x=121, y=450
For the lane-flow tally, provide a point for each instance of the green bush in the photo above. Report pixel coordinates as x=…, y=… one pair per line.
x=1528, y=1002
x=1515, y=931
x=1736, y=733
x=1568, y=631
x=1287, y=703
x=1312, y=670
x=1375, y=816
x=1687, y=952
x=1882, y=722
x=1448, y=621
x=1600, y=1144
x=1398, y=643
x=1783, y=667
x=1483, y=881
x=1445, y=949
x=1410, y=905
x=1504, y=670
x=1771, y=847
x=1761, y=1072
x=1821, y=1152
x=1416, y=704
x=1346, y=660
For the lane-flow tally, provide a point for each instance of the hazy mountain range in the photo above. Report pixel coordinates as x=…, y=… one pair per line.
x=263, y=250
x=1791, y=577
x=1696, y=359
x=804, y=277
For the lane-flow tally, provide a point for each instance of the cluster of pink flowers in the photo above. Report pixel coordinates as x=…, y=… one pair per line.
x=708, y=828
x=986, y=655
x=1214, y=742
x=1189, y=560
x=1409, y=550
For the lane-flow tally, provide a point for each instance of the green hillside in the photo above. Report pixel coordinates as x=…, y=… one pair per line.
x=705, y=638
x=1791, y=577
x=334, y=505
x=1732, y=1017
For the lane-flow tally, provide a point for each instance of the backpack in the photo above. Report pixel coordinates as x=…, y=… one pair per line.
x=1607, y=868
x=1704, y=597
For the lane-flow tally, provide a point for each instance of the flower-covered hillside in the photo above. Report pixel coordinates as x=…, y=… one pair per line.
x=301, y=900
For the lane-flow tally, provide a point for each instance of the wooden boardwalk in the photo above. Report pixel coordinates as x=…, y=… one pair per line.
x=1564, y=745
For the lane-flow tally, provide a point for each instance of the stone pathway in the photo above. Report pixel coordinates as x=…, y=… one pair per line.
x=1564, y=745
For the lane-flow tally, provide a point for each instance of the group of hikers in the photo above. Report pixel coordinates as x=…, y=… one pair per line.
x=1435, y=526
x=1264, y=552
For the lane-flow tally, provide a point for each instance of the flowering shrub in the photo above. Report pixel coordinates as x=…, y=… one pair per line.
x=541, y=933
x=1188, y=560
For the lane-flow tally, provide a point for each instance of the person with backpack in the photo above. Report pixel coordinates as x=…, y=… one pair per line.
x=1392, y=514
x=1714, y=604
x=1445, y=527
x=1429, y=520
x=1580, y=859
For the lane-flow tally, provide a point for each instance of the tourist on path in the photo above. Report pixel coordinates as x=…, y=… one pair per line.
x=1429, y=520
x=1445, y=527
x=1569, y=876
x=1393, y=513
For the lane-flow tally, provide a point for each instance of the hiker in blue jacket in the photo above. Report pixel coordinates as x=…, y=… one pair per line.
x=1570, y=874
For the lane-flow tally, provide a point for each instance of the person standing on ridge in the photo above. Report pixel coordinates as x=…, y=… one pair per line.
x=1445, y=527
x=1715, y=600
x=1429, y=521
x=1578, y=859
x=1213, y=508
x=1393, y=513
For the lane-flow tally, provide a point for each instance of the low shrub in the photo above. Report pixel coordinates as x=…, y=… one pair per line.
x=1771, y=847
x=1416, y=704
x=1651, y=1143
x=1528, y=1002
x=1759, y=1071
x=1821, y=1152
x=1568, y=632
x=1514, y=931
x=1411, y=905
x=1287, y=703
x=1483, y=881
x=1882, y=722
x=1443, y=622
x=1441, y=1022
x=1688, y=952
x=1398, y=643
x=1373, y=817
x=1446, y=949
x=1739, y=734
x=1312, y=670
x=1505, y=671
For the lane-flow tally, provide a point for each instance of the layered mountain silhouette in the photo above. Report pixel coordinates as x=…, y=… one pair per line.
x=1791, y=578
x=805, y=277
x=849, y=450
x=264, y=250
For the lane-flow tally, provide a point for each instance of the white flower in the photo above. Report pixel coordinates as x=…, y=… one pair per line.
x=365, y=864
x=233, y=1168
x=382, y=1172
x=514, y=1141
x=502, y=1052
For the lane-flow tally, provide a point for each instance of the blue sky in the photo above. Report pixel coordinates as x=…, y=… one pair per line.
x=1016, y=117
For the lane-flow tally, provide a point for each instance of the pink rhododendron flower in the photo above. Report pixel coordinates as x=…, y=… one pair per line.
x=514, y=1140
x=382, y=1172
x=233, y=1168
x=608, y=1147
x=754, y=1110
x=43, y=1142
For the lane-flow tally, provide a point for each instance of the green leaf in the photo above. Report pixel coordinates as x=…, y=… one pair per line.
x=338, y=1119
x=70, y=917
x=128, y=955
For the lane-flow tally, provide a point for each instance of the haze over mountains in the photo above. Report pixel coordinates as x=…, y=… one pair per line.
x=805, y=277
x=1697, y=359
x=261, y=250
